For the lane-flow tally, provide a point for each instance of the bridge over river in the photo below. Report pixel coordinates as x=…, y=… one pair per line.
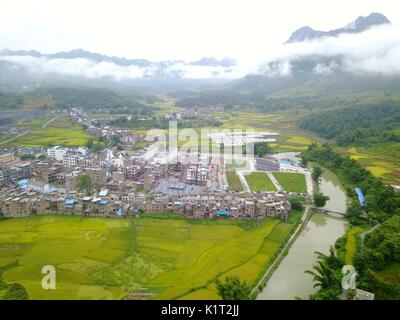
x=327, y=211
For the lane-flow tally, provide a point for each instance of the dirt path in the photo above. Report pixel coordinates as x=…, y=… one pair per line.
x=16, y=137
x=50, y=121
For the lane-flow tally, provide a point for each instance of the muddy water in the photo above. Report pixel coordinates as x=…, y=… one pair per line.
x=289, y=280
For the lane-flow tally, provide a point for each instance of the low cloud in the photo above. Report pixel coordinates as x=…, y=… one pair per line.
x=90, y=69
x=376, y=51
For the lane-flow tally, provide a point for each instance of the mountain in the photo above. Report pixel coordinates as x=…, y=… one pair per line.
x=20, y=69
x=359, y=25
x=316, y=75
x=212, y=62
x=121, y=61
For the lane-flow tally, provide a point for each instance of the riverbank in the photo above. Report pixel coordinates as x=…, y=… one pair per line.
x=287, y=279
x=304, y=220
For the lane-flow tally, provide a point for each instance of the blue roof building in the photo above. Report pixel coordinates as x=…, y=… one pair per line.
x=223, y=213
x=361, y=198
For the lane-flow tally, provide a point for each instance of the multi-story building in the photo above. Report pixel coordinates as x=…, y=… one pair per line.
x=48, y=175
x=7, y=158
x=98, y=176
x=70, y=160
x=57, y=153
x=196, y=175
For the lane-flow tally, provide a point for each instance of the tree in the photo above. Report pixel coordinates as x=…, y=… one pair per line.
x=89, y=144
x=316, y=173
x=261, y=149
x=296, y=202
x=320, y=199
x=233, y=289
x=85, y=183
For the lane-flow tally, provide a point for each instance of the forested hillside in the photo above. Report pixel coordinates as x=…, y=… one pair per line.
x=358, y=125
x=92, y=99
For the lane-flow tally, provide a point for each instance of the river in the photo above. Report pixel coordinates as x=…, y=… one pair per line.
x=289, y=280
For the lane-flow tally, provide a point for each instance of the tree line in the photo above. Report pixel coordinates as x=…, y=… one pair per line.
x=358, y=125
x=380, y=248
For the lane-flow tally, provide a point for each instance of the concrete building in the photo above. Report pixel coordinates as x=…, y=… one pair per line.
x=70, y=160
x=48, y=175
x=7, y=158
x=196, y=175
x=57, y=153
x=98, y=176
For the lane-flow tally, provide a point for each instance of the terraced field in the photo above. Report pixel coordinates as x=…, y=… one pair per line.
x=61, y=131
x=382, y=161
x=160, y=257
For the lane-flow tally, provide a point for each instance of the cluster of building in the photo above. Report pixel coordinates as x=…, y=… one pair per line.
x=121, y=185
x=25, y=201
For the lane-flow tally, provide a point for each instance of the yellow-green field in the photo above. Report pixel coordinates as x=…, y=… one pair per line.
x=382, y=161
x=234, y=181
x=61, y=131
x=259, y=181
x=351, y=243
x=291, y=182
x=166, y=257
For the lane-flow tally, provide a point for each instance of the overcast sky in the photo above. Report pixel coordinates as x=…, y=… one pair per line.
x=173, y=29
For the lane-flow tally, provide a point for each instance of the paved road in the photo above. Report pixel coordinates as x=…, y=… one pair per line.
x=275, y=182
x=243, y=180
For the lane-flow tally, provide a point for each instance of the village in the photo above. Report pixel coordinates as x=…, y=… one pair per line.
x=49, y=181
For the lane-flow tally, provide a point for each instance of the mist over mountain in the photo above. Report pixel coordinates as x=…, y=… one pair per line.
x=359, y=25
x=32, y=68
x=366, y=48
x=352, y=65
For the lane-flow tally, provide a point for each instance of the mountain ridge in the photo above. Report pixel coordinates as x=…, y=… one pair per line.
x=361, y=24
x=122, y=61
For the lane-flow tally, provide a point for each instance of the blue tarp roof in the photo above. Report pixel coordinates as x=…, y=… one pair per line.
x=103, y=201
x=361, y=198
x=223, y=213
x=69, y=201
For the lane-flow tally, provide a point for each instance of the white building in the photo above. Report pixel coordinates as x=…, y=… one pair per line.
x=41, y=186
x=70, y=160
x=196, y=174
x=57, y=153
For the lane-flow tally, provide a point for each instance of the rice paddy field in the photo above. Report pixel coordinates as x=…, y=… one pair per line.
x=259, y=181
x=61, y=131
x=152, y=257
x=291, y=182
x=383, y=161
x=234, y=181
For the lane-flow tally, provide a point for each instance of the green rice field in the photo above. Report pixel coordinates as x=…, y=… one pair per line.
x=291, y=182
x=259, y=181
x=152, y=257
x=234, y=181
